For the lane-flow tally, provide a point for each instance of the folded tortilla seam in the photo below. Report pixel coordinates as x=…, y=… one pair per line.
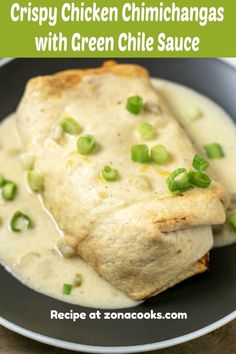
x=122, y=245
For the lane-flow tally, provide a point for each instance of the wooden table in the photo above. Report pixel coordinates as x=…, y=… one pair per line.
x=222, y=341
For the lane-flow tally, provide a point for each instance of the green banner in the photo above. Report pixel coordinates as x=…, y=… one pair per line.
x=118, y=28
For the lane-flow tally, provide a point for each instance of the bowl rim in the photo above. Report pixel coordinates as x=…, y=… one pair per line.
x=117, y=349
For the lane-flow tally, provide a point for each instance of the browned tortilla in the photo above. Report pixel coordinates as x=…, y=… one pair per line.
x=131, y=237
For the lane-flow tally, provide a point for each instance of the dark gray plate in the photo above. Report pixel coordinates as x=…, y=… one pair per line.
x=209, y=299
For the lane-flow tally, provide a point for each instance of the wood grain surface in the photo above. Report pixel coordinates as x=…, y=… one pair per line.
x=221, y=341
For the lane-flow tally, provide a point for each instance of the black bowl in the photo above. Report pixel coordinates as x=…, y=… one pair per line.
x=208, y=299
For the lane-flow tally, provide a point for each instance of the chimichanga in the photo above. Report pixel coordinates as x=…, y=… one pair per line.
x=133, y=231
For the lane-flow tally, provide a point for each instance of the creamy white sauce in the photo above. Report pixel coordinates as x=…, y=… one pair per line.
x=33, y=257
x=214, y=125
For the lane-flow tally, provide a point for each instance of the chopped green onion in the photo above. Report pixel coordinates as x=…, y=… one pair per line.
x=199, y=163
x=78, y=280
x=20, y=222
x=109, y=174
x=2, y=181
x=199, y=179
x=9, y=190
x=86, y=144
x=35, y=181
x=27, y=161
x=67, y=289
x=140, y=153
x=178, y=181
x=146, y=131
x=231, y=220
x=192, y=113
x=214, y=151
x=159, y=154
x=66, y=250
x=70, y=126
x=134, y=104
